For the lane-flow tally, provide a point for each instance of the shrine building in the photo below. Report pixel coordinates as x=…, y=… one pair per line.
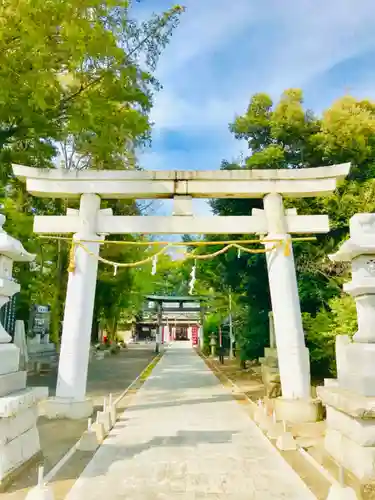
x=179, y=318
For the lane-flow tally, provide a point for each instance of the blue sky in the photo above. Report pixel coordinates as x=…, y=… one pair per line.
x=226, y=50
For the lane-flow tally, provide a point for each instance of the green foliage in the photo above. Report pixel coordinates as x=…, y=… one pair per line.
x=285, y=135
x=72, y=73
x=76, y=88
x=338, y=319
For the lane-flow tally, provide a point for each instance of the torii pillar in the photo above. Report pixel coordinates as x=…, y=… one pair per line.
x=70, y=400
x=295, y=404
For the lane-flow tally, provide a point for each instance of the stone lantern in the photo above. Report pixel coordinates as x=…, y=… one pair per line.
x=19, y=438
x=350, y=400
x=11, y=250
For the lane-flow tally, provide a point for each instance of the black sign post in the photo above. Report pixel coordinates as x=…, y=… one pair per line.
x=8, y=315
x=39, y=323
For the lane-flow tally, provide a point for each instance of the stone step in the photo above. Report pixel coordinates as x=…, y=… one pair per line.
x=13, y=403
x=12, y=382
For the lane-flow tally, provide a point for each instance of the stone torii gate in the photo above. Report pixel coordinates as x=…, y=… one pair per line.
x=90, y=221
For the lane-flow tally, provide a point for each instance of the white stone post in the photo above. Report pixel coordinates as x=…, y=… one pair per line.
x=78, y=316
x=293, y=355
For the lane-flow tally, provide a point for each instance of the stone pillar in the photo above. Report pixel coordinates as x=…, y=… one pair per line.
x=269, y=364
x=201, y=337
x=167, y=334
x=19, y=437
x=293, y=356
x=350, y=400
x=189, y=333
x=70, y=401
x=158, y=336
x=213, y=343
x=271, y=327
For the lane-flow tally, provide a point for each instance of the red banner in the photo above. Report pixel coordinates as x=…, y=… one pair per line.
x=194, y=334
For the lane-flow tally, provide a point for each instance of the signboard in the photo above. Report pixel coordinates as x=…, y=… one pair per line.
x=8, y=315
x=191, y=305
x=171, y=305
x=39, y=323
x=194, y=334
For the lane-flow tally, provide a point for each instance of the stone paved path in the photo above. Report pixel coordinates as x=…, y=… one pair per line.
x=184, y=437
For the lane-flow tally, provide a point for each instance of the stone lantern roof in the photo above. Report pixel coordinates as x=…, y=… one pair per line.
x=12, y=248
x=361, y=241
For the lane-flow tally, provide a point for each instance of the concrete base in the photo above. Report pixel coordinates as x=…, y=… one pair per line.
x=360, y=460
x=10, y=477
x=275, y=430
x=98, y=428
x=297, y=411
x=265, y=423
x=104, y=417
x=286, y=442
x=113, y=413
x=337, y=492
x=12, y=404
x=350, y=435
x=54, y=408
x=18, y=451
x=43, y=492
x=360, y=431
x=89, y=441
x=259, y=414
x=18, y=424
x=352, y=404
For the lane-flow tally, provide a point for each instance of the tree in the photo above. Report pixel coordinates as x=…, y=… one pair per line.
x=71, y=73
x=285, y=135
x=76, y=83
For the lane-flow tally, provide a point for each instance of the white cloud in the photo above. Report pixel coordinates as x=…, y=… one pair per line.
x=316, y=36
x=224, y=51
x=193, y=158
x=298, y=41
x=206, y=25
x=173, y=112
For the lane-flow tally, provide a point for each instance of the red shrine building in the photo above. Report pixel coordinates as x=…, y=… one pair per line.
x=178, y=318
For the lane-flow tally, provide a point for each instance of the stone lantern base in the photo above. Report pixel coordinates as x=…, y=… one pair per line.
x=19, y=437
x=350, y=436
x=350, y=405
